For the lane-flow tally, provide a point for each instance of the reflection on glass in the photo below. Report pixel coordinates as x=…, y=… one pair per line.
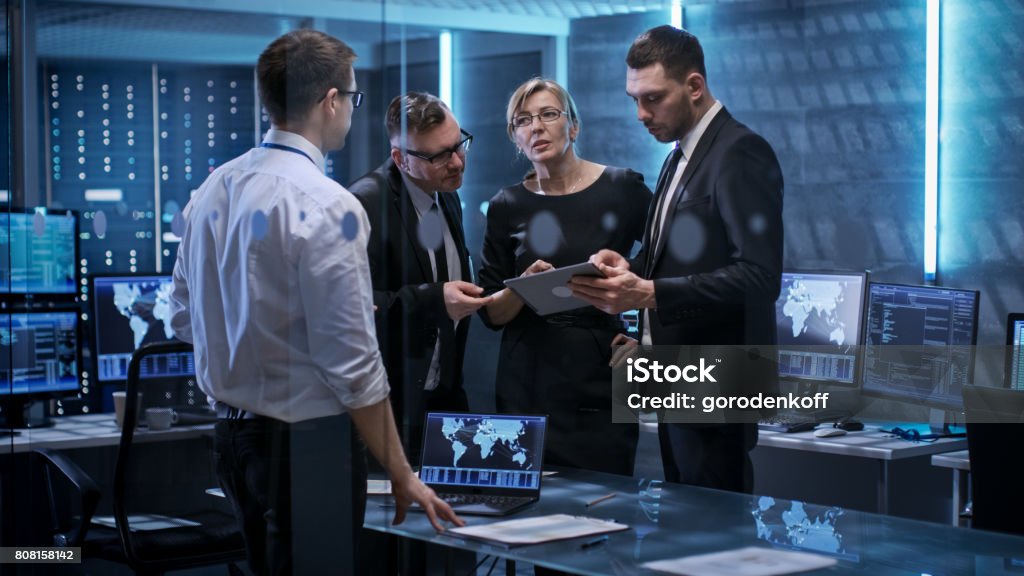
x=803, y=526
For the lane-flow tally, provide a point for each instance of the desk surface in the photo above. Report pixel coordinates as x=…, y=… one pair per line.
x=959, y=460
x=687, y=520
x=867, y=443
x=89, y=431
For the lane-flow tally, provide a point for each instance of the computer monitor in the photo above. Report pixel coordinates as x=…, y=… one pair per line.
x=1014, y=370
x=130, y=311
x=820, y=329
x=38, y=358
x=920, y=343
x=39, y=253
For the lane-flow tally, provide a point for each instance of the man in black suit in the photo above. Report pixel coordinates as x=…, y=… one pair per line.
x=711, y=267
x=419, y=262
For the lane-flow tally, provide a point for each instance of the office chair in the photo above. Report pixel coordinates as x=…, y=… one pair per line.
x=166, y=482
x=995, y=434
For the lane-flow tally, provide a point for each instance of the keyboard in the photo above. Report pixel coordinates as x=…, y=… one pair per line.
x=788, y=423
x=490, y=500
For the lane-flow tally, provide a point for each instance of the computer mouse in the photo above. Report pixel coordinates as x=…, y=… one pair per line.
x=828, y=432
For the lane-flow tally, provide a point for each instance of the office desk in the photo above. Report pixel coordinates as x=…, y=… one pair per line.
x=688, y=520
x=960, y=463
x=90, y=431
x=869, y=443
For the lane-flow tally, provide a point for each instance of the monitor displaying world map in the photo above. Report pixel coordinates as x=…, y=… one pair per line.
x=483, y=450
x=820, y=317
x=132, y=311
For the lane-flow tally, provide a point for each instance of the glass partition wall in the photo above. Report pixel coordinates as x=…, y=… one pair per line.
x=117, y=112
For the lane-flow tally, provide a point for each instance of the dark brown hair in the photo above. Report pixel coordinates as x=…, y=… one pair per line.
x=678, y=51
x=421, y=110
x=296, y=70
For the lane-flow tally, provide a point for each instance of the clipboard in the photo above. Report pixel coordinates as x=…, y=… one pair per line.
x=546, y=292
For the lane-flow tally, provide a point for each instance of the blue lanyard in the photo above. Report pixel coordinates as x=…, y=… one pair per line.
x=291, y=149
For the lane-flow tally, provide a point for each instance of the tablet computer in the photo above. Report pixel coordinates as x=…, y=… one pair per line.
x=547, y=292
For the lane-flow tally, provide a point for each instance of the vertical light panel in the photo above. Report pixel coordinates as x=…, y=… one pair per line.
x=931, y=139
x=444, y=59
x=677, y=13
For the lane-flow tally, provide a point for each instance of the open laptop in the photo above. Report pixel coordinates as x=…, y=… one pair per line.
x=483, y=464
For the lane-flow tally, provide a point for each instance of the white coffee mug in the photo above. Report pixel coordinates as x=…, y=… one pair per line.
x=161, y=418
x=119, y=398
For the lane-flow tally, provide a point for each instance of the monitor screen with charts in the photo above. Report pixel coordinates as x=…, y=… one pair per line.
x=819, y=318
x=38, y=253
x=920, y=343
x=38, y=353
x=483, y=450
x=129, y=312
x=1014, y=370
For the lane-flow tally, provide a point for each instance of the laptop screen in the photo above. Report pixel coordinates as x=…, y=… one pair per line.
x=483, y=450
x=1014, y=374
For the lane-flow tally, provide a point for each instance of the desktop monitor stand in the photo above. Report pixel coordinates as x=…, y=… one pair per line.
x=21, y=413
x=938, y=421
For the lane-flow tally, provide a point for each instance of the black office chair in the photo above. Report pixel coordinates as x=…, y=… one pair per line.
x=995, y=435
x=166, y=482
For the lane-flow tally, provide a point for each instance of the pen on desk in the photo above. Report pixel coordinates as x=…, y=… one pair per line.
x=594, y=542
x=596, y=501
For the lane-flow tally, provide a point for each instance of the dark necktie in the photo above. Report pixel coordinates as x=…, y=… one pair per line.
x=663, y=194
x=440, y=254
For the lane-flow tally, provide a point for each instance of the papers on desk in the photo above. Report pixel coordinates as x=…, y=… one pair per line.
x=146, y=522
x=750, y=561
x=537, y=530
x=378, y=487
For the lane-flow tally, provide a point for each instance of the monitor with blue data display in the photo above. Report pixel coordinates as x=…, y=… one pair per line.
x=1014, y=370
x=38, y=358
x=129, y=312
x=39, y=252
x=920, y=343
x=819, y=322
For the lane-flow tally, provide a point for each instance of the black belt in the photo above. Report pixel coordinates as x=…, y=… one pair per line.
x=225, y=412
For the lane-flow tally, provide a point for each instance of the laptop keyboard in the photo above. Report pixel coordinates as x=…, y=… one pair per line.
x=498, y=502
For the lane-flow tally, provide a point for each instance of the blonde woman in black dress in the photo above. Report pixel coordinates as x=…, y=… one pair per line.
x=564, y=210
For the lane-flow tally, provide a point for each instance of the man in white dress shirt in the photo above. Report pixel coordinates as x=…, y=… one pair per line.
x=272, y=286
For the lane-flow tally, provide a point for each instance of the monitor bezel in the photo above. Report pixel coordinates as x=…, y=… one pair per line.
x=957, y=405
x=861, y=332
x=1011, y=319
x=34, y=298
x=94, y=316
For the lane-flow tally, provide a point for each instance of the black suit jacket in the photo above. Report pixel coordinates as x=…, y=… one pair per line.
x=717, y=264
x=718, y=274
x=410, y=305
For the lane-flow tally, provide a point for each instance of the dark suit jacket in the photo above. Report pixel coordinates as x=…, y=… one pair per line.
x=717, y=277
x=717, y=265
x=410, y=305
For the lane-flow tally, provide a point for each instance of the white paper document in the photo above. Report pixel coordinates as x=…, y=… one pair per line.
x=750, y=561
x=537, y=530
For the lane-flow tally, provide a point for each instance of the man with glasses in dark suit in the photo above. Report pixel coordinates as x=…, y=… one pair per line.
x=421, y=277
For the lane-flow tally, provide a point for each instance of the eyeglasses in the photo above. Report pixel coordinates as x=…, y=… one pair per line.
x=357, y=97
x=547, y=116
x=445, y=155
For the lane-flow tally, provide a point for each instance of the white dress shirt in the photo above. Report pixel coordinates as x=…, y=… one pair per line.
x=272, y=286
x=422, y=201
x=687, y=145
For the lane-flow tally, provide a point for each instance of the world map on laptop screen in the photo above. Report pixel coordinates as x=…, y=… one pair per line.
x=483, y=450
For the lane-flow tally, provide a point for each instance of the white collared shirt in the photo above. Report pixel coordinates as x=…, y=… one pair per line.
x=422, y=201
x=687, y=145
x=272, y=286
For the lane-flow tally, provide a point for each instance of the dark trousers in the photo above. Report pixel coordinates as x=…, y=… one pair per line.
x=709, y=456
x=297, y=490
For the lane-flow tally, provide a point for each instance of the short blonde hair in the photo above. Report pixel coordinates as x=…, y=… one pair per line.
x=531, y=87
